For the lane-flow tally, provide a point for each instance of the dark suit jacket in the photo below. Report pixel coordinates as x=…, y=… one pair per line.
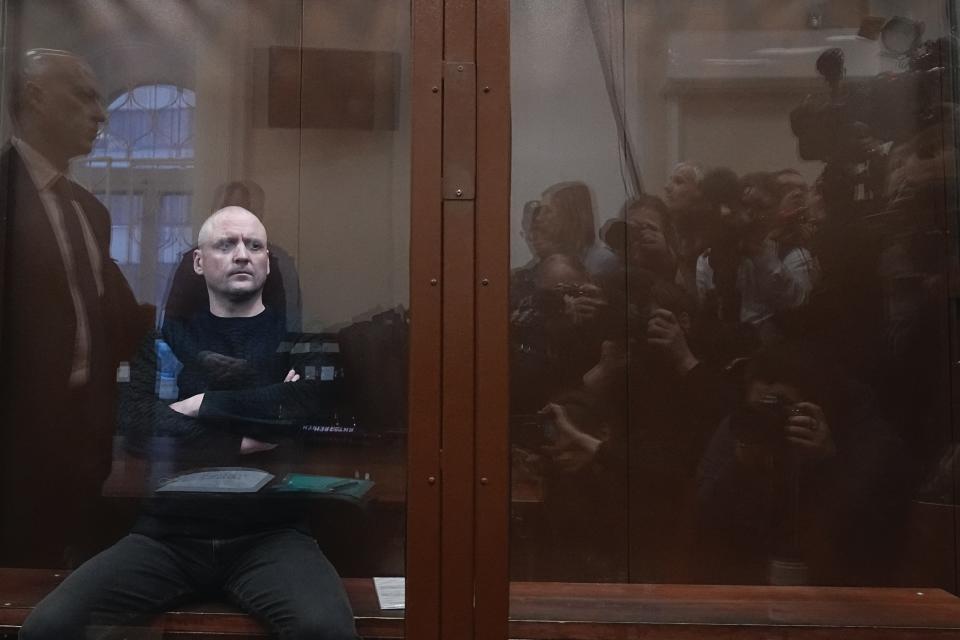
x=55, y=442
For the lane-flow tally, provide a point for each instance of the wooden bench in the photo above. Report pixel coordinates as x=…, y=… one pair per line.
x=564, y=611
x=21, y=589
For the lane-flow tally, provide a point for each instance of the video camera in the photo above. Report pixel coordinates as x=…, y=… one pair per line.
x=848, y=125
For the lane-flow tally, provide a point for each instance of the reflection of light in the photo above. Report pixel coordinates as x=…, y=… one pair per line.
x=848, y=38
x=792, y=51
x=738, y=62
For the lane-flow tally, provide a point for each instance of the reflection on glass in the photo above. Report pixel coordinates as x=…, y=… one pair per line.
x=729, y=322
x=148, y=122
x=204, y=325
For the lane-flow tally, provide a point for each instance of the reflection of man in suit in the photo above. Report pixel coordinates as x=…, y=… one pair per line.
x=59, y=317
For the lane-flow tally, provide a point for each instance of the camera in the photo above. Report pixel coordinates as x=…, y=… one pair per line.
x=760, y=424
x=849, y=123
x=532, y=431
x=549, y=303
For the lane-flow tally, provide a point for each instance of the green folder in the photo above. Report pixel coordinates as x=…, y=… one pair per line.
x=333, y=486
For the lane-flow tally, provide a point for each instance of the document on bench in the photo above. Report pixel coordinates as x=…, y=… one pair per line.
x=218, y=480
x=391, y=592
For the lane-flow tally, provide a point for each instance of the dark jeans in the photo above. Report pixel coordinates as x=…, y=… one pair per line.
x=280, y=577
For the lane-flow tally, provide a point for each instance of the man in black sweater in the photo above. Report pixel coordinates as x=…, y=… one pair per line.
x=235, y=383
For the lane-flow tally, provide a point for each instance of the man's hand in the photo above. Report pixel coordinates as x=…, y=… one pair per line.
x=572, y=448
x=665, y=333
x=807, y=432
x=584, y=307
x=608, y=371
x=189, y=406
x=252, y=445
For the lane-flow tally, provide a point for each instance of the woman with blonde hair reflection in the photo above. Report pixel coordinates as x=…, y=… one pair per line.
x=562, y=221
x=691, y=217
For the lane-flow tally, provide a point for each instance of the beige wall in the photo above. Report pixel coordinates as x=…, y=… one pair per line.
x=744, y=131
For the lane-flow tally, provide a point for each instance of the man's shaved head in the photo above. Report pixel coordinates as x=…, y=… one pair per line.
x=232, y=257
x=217, y=217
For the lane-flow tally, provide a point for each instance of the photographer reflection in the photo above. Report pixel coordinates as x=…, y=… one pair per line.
x=68, y=318
x=914, y=264
x=238, y=391
x=583, y=503
x=759, y=264
x=845, y=312
x=802, y=483
x=645, y=238
x=555, y=330
x=655, y=405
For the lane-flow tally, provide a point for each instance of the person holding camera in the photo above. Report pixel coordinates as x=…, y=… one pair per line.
x=644, y=237
x=653, y=432
x=556, y=330
x=801, y=483
x=759, y=264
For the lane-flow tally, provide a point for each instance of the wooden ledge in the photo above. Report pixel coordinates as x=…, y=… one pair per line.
x=577, y=611
x=567, y=611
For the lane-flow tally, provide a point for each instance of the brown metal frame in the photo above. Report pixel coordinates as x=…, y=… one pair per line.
x=459, y=491
x=493, y=273
x=423, y=472
x=459, y=169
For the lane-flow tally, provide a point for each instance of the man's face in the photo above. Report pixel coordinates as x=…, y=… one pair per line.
x=757, y=203
x=546, y=230
x=645, y=234
x=681, y=190
x=67, y=104
x=233, y=257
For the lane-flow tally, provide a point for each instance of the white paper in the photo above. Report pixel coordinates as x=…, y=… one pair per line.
x=219, y=480
x=391, y=592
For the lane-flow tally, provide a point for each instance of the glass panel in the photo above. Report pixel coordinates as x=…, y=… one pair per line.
x=731, y=296
x=146, y=340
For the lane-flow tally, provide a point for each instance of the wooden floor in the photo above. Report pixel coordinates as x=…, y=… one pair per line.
x=563, y=611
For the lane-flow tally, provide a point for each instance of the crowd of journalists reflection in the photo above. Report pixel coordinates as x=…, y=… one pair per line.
x=744, y=379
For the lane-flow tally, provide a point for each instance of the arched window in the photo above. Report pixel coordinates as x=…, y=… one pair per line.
x=141, y=168
x=150, y=122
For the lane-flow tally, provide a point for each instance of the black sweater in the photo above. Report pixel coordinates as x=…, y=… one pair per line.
x=239, y=365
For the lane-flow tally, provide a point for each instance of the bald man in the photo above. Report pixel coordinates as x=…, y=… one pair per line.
x=253, y=549
x=64, y=316
x=186, y=290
